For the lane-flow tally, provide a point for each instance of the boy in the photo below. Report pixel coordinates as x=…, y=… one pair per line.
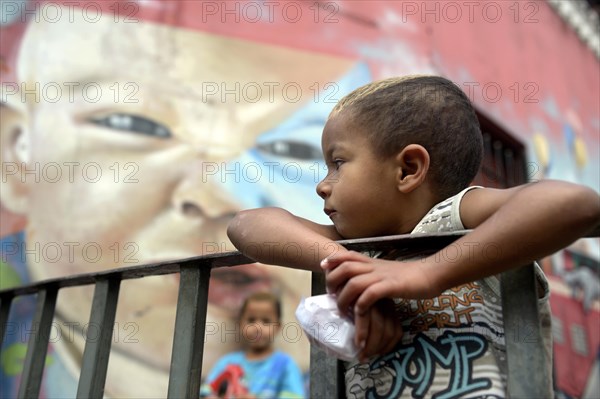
x=394, y=149
x=267, y=373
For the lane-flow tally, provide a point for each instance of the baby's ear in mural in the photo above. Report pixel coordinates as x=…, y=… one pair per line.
x=14, y=157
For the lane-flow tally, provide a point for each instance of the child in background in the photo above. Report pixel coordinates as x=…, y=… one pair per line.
x=401, y=154
x=267, y=373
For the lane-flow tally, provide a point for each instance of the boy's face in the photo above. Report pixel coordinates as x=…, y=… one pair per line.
x=259, y=324
x=359, y=190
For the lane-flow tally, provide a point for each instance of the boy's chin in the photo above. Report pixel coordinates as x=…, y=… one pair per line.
x=258, y=349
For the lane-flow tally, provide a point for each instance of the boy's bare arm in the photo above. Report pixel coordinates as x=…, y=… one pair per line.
x=517, y=226
x=275, y=236
x=512, y=227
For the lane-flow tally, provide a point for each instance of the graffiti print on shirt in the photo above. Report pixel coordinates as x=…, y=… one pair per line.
x=412, y=368
x=451, y=309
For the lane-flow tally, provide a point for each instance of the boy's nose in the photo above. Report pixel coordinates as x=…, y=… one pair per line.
x=323, y=189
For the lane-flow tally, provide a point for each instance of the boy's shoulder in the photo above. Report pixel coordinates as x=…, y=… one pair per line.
x=465, y=210
x=232, y=357
x=445, y=216
x=282, y=357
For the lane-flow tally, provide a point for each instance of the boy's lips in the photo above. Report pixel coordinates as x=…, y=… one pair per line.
x=329, y=211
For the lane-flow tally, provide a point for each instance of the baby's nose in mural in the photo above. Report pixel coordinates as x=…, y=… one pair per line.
x=203, y=197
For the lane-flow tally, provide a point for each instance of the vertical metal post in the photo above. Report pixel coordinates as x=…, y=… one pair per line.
x=97, y=348
x=525, y=352
x=326, y=373
x=190, y=323
x=33, y=368
x=5, y=302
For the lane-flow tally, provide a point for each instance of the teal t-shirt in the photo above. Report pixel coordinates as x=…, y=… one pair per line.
x=276, y=376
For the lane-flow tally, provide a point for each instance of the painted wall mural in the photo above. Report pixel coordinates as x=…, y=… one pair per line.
x=131, y=132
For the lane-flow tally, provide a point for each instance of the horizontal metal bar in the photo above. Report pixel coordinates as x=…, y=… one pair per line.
x=403, y=245
x=127, y=273
x=229, y=259
x=406, y=244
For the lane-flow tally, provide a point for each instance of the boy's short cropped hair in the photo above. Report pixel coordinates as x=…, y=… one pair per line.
x=428, y=110
x=262, y=297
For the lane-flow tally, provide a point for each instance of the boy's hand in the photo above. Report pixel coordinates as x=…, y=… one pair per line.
x=378, y=330
x=368, y=285
x=360, y=281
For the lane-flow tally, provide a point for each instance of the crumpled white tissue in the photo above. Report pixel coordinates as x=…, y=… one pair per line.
x=326, y=328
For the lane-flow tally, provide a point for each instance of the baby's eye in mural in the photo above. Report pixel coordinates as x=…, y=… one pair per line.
x=291, y=149
x=133, y=124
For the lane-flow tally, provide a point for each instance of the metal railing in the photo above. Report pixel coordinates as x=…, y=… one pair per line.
x=519, y=299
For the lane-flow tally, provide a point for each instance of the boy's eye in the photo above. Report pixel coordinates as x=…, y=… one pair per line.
x=338, y=163
x=251, y=320
x=291, y=149
x=132, y=123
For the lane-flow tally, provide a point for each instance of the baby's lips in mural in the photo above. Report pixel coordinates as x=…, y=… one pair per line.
x=229, y=286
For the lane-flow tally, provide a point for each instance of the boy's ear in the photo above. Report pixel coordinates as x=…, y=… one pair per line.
x=14, y=157
x=412, y=165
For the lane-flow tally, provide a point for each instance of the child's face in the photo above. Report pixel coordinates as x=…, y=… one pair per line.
x=360, y=188
x=259, y=324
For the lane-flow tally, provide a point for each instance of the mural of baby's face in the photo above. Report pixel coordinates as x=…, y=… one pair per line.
x=140, y=127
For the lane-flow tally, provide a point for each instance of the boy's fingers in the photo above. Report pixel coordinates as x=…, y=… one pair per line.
x=333, y=261
x=337, y=278
x=371, y=294
x=393, y=335
x=385, y=330
x=361, y=325
x=397, y=337
x=352, y=290
x=375, y=334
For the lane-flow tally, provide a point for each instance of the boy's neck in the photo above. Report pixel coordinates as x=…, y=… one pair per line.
x=417, y=204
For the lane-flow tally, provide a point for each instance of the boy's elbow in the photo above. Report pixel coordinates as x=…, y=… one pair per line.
x=237, y=225
x=232, y=228
x=245, y=220
x=594, y=216
x=587, y=205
